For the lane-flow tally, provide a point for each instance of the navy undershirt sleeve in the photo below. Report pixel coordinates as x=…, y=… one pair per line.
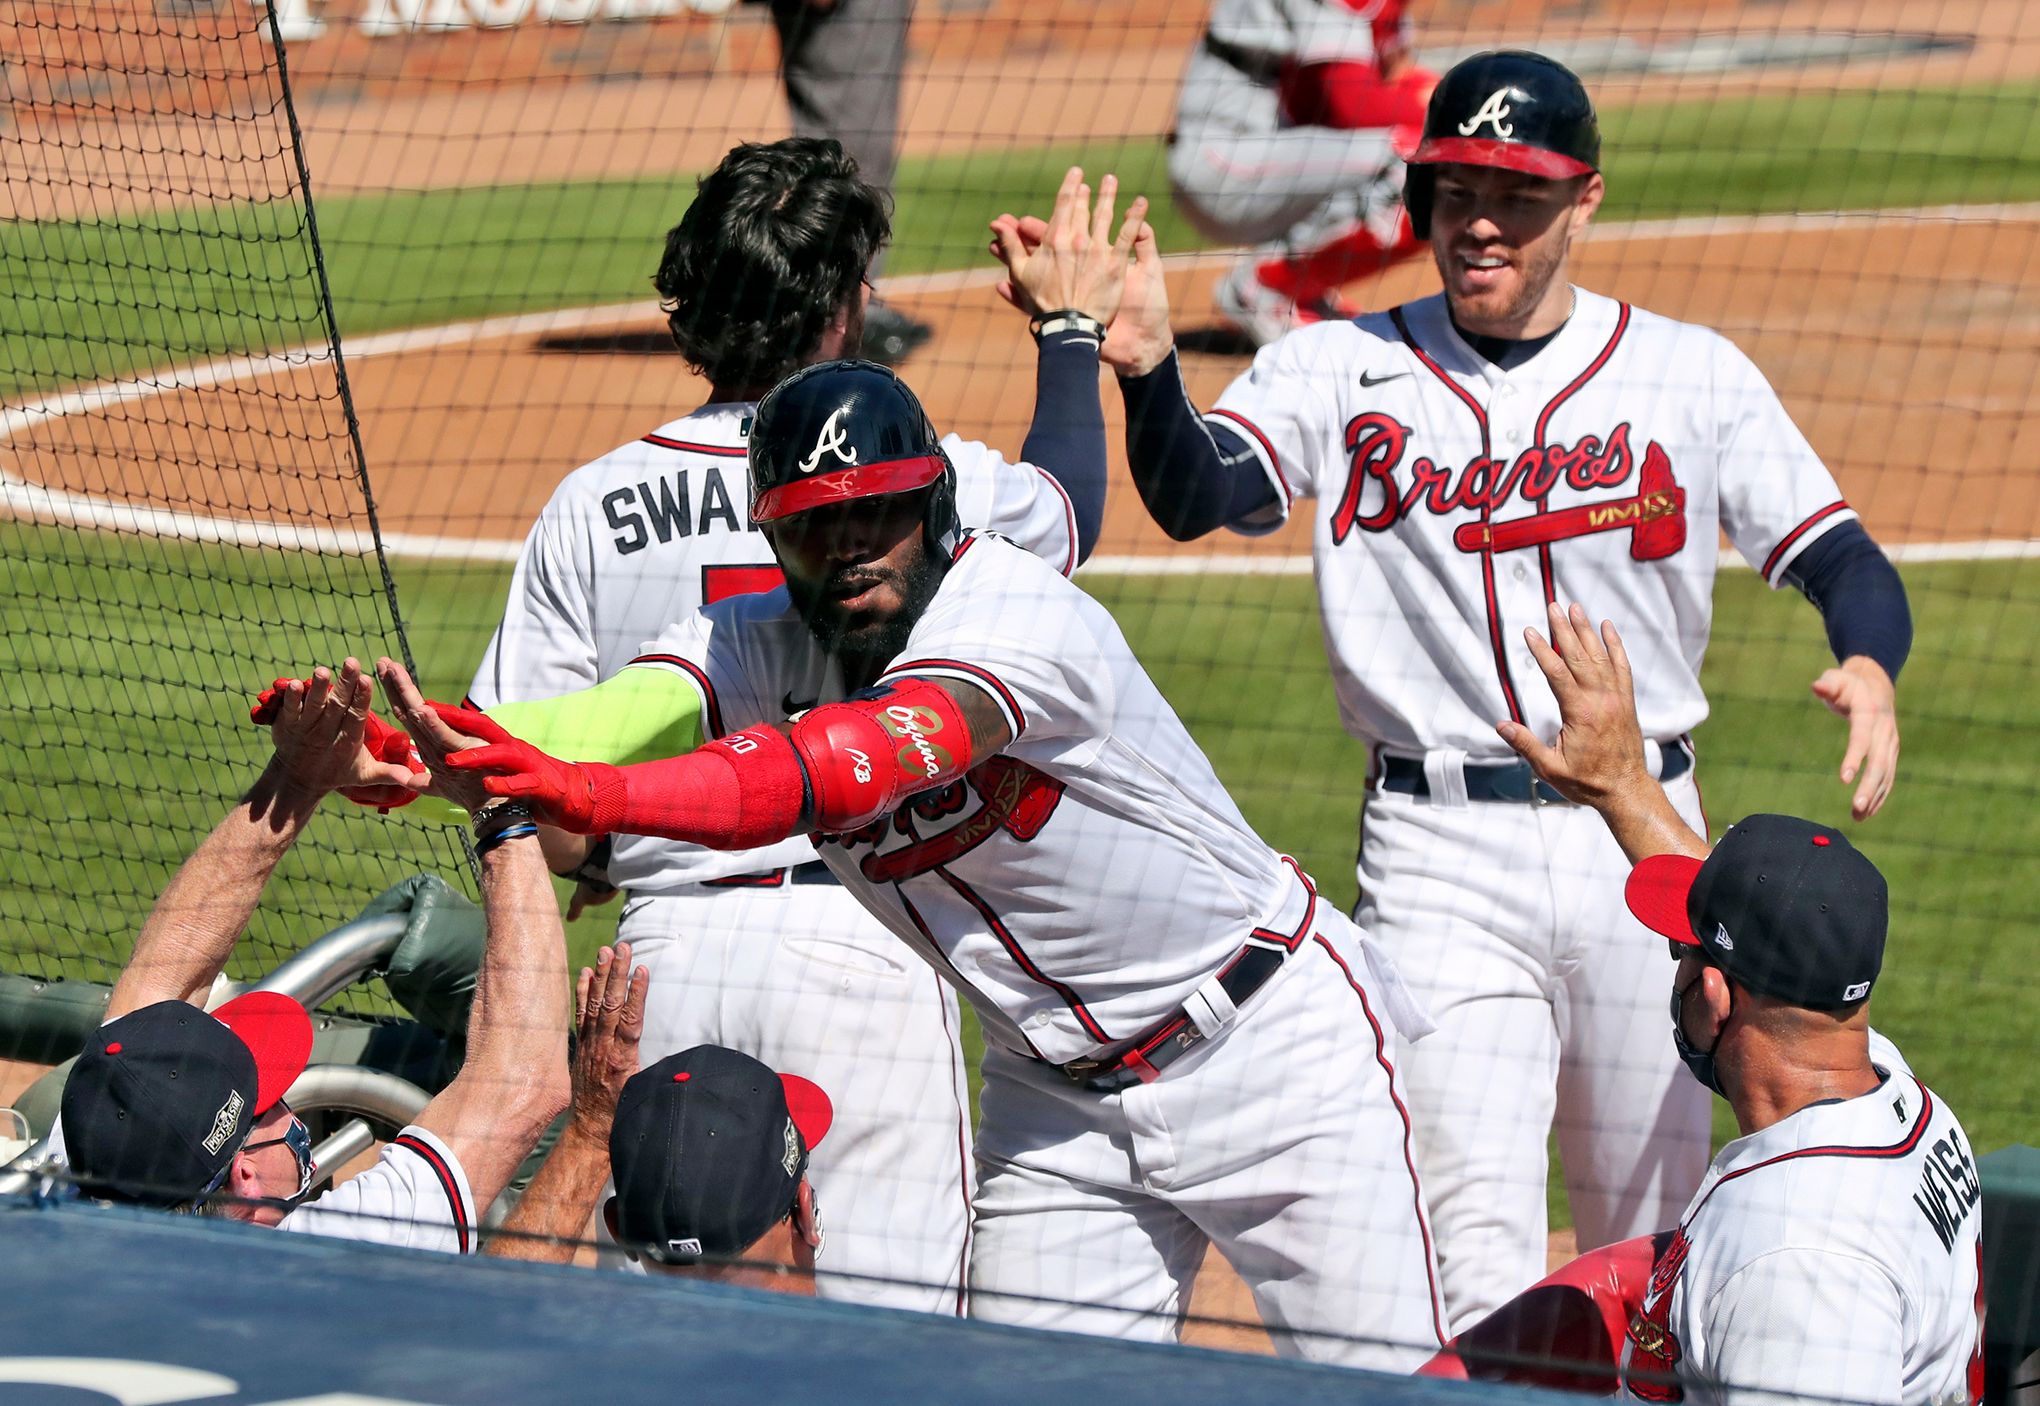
x=1067, y=437
x=1859, y=595
x=1193, y=476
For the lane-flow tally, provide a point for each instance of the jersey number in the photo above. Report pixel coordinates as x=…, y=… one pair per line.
x=722, y=582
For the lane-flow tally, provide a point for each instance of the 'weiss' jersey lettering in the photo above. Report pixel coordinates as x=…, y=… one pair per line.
x=1078, y=885
x=1454, y=499
x=651, y=532
x=1831, y=1256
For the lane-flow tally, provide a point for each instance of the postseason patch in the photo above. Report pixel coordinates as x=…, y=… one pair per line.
x=224, y=1122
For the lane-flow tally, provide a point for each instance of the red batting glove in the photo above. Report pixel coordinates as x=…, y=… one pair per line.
x=384, y=743
x=562, y=792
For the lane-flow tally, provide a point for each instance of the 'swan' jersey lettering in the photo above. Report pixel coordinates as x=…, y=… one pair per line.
x=1454, y=499
x=1832, y=1256
x=1079, y=885
x=654, y=530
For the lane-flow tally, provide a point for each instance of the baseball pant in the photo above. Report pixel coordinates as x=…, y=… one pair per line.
x=1302, y=186
x=803, y=979
x=1508, y=922
x=1282, y=1141
x=842, y=67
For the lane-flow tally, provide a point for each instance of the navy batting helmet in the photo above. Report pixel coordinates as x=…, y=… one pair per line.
x=840, y=430
x=1509, y=108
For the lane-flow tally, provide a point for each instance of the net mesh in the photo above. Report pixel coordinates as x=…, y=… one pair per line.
x=1849, y=192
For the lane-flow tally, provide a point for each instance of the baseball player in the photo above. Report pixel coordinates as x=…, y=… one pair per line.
x=1832, y=1251
x=1473, y=456
x=170, y=1106
x=990, y=772
x=1291, y=128
x=763, y=951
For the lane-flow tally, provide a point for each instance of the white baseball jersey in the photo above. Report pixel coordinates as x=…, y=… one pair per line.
x=652, y=531
x=416, y=1196
x=1831, y=1256
x=1454, y=499
x=1076, y=887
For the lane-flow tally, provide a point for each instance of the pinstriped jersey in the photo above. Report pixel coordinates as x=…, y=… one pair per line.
x=653, y=530
x=1832, y=1256
x=1078, y=885
x=1452, y=499
x=415, y=1196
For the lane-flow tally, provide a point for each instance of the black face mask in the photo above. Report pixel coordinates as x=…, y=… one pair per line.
x=1699, y=1063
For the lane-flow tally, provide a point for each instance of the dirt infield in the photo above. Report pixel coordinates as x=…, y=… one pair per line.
x=1908, y=349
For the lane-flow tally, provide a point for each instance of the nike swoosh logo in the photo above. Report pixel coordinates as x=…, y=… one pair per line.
x=1368, y=382
x=792, y=707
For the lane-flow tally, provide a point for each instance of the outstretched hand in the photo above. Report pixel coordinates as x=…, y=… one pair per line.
x=609, y=1018
x=473, y=760
x=1121, y=279
x=318, y=725
x=1859, y=690
x=1599, y=752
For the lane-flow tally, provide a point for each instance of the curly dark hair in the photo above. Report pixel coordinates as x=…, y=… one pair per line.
x=777, y=239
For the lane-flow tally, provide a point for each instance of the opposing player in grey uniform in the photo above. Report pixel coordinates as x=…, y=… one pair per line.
x=1291, y=126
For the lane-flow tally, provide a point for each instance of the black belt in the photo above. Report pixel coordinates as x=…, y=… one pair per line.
x=1509, y=781
x=812, y=872
x=1262, y=67
x=1164, y=1044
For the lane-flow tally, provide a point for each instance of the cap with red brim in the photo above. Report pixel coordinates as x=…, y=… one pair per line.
x=809, y=1108
x=846, y=485
x=278, y=1032
x=1509, y=156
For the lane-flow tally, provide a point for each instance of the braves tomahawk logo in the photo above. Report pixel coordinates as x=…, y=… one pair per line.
x=1377, y=443
x=1493, y=112
x=832, y=440
x=1654, y=1349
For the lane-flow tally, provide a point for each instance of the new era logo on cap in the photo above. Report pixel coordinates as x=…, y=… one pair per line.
x=1809, y=911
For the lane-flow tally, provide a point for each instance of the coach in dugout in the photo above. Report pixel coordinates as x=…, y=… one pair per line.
x=172, y=1107
x=1831, y=1251
x=708, y=1148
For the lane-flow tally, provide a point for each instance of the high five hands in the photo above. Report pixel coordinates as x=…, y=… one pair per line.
x=1072, y=260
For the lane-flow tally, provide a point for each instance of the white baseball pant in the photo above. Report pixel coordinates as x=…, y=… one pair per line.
x=1304, y=186
x=1282, y=1141
x=1507, y=921
x=802, y=978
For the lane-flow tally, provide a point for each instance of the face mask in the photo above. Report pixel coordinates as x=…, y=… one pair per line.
x=1699, y=1063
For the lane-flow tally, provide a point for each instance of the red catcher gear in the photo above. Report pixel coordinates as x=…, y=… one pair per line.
x=1564, y=1331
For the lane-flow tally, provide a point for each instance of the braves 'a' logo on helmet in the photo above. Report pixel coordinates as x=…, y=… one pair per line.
x=832, y=440
x=1494, y=112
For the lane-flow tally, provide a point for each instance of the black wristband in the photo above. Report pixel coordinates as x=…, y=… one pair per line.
x=496, y=839
x=1067, y=320
x=498, y=816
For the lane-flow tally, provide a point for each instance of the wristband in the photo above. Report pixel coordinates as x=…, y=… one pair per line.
x=495, y=839
x=1067, y=320
x=497, y=816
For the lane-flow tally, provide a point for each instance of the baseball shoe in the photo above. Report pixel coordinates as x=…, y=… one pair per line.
x=1264, y=314
x=890, y=336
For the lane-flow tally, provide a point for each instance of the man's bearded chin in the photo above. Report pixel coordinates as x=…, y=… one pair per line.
x=877, y=638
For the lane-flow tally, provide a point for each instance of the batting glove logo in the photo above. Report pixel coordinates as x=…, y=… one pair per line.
x=862, y=769
x=832, y=440
x=1492, y=112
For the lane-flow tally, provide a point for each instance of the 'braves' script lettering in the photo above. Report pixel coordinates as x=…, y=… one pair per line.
x=1376, y=445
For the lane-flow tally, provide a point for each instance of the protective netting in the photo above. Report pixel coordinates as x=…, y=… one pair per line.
x=1850, y=192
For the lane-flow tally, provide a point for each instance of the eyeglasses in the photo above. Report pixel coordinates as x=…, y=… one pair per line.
x=298, y=1138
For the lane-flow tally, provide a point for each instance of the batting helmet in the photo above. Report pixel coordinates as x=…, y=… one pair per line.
x=1509, y=108
x=840, y=430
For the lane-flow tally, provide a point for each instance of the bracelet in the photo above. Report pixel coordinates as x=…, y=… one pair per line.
x=1067, y=320
x=523, y=829
x=498, y=814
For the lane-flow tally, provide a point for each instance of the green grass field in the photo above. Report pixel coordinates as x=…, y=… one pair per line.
x=126, y=740
x=232, y=278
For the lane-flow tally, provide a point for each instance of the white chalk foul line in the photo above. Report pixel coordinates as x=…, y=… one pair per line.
x=23, y=499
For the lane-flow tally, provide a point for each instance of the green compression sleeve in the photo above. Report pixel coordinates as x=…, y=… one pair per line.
x=636, y=715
